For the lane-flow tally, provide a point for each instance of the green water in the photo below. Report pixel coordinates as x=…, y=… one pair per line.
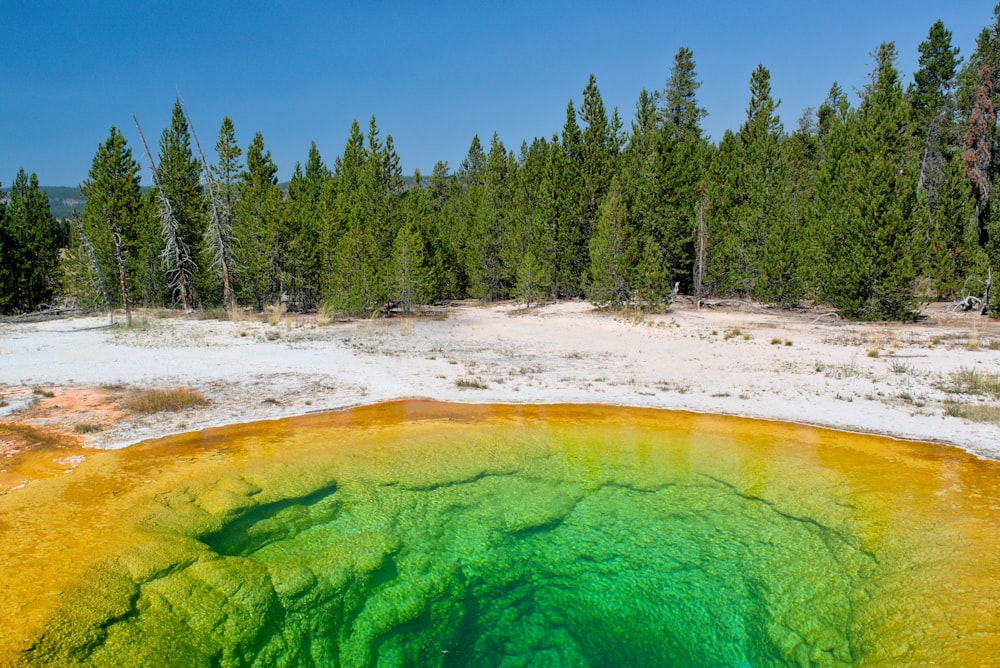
x=525, y=543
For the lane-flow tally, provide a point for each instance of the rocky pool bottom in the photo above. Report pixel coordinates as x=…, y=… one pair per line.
x=429, y=534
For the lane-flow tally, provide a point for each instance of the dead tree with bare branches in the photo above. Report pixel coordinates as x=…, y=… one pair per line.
x=176, y=256
x=219, y=233
x=978, y=158
x=119, y=247
x=89, y=247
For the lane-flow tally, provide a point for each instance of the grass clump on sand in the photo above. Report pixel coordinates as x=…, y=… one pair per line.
x=471, y=384
x=86, y=427
x=973, y=412
x=972, y=381
x=160, y=401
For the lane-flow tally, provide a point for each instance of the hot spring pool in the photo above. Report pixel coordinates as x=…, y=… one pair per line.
x=430, y=534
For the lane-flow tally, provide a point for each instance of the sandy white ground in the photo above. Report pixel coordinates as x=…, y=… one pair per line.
x=741, y=362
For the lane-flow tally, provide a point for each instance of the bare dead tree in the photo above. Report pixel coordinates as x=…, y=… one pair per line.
x=699, y=265
x=85, y=241
x=116, y=237
x=986, y=292
x=978, y=154
x=219, y=233
x=932, y=164
x=978, y=157
x=176, y=256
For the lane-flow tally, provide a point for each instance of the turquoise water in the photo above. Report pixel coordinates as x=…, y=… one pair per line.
x=580, y=537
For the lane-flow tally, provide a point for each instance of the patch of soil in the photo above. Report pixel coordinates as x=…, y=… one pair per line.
x=49, y=436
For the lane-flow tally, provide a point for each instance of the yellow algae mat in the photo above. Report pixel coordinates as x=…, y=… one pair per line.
x=419, y=533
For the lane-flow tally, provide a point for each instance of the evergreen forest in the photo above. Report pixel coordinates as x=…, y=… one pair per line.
x=871, y=205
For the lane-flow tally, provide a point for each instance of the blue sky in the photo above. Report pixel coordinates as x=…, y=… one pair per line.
x=433, y=73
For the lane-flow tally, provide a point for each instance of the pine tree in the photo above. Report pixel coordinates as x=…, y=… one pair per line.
x=754, y=253
x=571, y=230
x=459, y=214
x=932, y=111
x=227, y=170
x=411, y=262
x=532, y=282
x=641, y=191
x=223, y=192
x=679, y=103
x=9, y=255
x=439, y=185
x=683, y=156
x=955, y=263
x=930, y=94
x=179, y=174
x=651, y=282
x=611, y=254
x=383, y=196
x=449, y=278
x=261, y=252
x=868, y=270
x=114, y=208
x=725, y=193
x=306, y=227
x=164, y=263
x=660, y=173
x=529, y=251
x=367, y=188
x=597, y=154
x=802, y=149
x=833, y=111
x=489, y=279
x=29, y=242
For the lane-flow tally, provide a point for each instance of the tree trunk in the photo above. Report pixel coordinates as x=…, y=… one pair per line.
x=122, y=276
x=699, y=267
x=174, y=253
x=97, y=268
x=219, y=233
x=986, y=294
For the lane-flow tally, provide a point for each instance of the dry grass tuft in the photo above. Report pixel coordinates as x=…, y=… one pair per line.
x=161, y=401
x=276, y=313
x=326, y=314
x=212, y=313
x=974, y=412
x=86, y=427
x=471, y=384
x=968, y=380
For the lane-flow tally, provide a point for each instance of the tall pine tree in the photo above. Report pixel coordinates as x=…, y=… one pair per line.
x=179, y=173
x=753, y=252
x=29, y=243
x=261, y=252
x=306, y=229
x=114, y=207
x=869, y=183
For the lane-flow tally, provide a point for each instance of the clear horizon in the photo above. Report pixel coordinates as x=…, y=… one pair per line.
x=433, y=75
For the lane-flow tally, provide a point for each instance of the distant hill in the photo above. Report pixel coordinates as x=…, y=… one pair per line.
x=62, y=200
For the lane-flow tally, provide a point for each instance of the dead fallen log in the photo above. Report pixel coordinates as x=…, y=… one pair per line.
x=53, y=313
x=967, y=303
x=730, y=302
